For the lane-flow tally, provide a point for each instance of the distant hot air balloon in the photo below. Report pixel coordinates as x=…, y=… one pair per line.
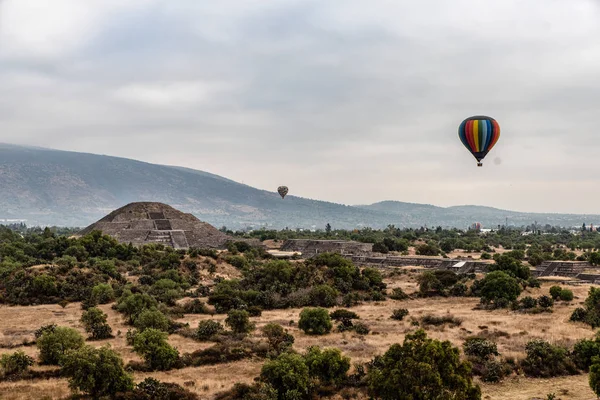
x=479, y=134
x=282, y=190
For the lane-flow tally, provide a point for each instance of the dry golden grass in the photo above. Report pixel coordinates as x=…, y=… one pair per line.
x=511, y=331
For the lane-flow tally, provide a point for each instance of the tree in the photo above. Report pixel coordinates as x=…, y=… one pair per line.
x=53, y=344
x=379, y=247
x=289, y=375
x=555, y=292
x=94, y=322
x=97, y=372
x=133, y=304
x=153, y=347
x=323, y=296
x=511, y=265
x=499, y=288
x=328, y=229
x=329, y=365
x=239, y=321
x=152, y=319
x=421, y=369
x=103, y=293
x=315, y=321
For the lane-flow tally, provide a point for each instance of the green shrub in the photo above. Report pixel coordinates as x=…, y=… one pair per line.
x=207, y=329
x=458, y=290
x=584, y=351
x=315, y=321
x=152, y=346
x=196, y=306
x=399, y=314
x=323, y=296
x=15, y=363
x=103, y=293
x=289, y=375
x=97, y=372
x=527, y=302
x=340, y=314
x=566, y=295
x=545, y=301
x=579, y=315
x=595, y=376
x=254, y=311
x=494, y=371
x=555, y=292
x=279, y=339
x=480, y=347
x=152, y=319
x=53, y=344
x=152, y=389
x=420, y=369
x=545, y=360
x=239, y=321
x=361, y=328
x=329, y=365
x=398, y=294
x=94, y=322
x=499, y=288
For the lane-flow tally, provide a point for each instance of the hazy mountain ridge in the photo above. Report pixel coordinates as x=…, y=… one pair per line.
x=56, y=187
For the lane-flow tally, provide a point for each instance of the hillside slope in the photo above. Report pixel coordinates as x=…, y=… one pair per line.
x=64, y=188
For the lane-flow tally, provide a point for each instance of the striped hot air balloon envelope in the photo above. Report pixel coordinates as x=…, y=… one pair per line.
x=479, y=134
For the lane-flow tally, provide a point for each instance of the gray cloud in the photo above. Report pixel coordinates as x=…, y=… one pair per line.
x=343, y=100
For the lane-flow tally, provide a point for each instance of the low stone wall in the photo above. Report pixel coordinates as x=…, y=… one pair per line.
x=311, y=247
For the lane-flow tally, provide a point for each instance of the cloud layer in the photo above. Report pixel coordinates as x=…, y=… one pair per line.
x=345, y=100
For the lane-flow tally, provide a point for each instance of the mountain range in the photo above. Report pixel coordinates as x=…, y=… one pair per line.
x=63, y=188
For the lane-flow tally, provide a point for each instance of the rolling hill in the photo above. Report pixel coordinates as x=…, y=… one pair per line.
x=52, y=187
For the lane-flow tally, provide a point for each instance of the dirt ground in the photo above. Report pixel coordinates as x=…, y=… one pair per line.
x=511, y=330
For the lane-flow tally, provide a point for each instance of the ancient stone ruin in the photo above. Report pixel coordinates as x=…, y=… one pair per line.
x=310, y=247
x=146, y=223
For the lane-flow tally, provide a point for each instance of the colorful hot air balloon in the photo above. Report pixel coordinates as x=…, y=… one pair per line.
x=479, y=134
x=282, y=190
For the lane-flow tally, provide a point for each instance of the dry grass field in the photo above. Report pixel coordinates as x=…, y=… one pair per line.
x=511, y=330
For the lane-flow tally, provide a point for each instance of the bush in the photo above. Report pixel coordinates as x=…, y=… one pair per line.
x=103, y=293
x=323, y=296
x=545, y=301
x=279, y=339
x=329, y=366
x=239, y=321
x=579, y=315
x=584, y=351
x=361, y=328
x=555, y=292
x=152, y=346
x=196, y=306
x=480, y=348
x=436, y=321
x=399, y=314
x=289, y=375
x=340, y=314
x=254, y=311
x=207, y=329
x=421, y=368
x=566, y=295
x=398, y=294
x=494, y=371
x=315, y=321
x=94, y=322
x=545, y=360
x=595, y=376
x=15, y=363
x=152, y=319
x=458, y=290
x=499, y=288
x=152, y=389
x=527, y=302
x=97, y=372
x=53, y=344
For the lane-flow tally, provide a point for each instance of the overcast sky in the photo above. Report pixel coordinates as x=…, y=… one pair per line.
x=350, y=101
